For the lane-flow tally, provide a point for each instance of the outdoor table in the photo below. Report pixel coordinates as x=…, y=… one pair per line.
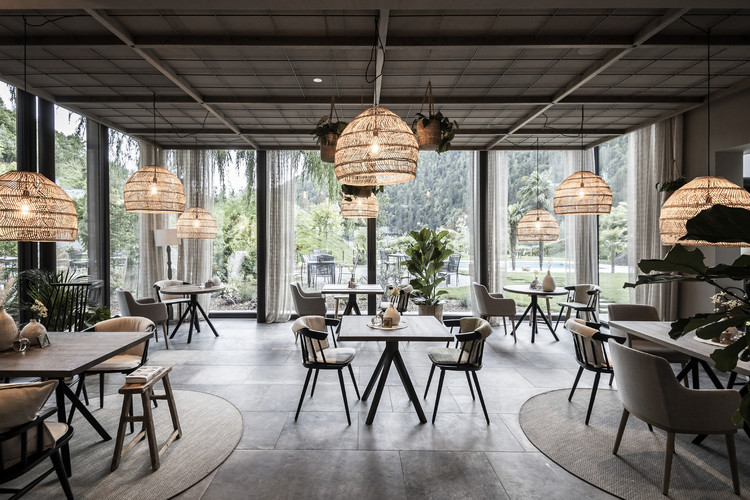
x=534, y=306
x=361, y=289
x=418, y=329
x=193, y=291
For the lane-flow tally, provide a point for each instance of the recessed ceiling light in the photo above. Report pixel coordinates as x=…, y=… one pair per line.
x=318, y=80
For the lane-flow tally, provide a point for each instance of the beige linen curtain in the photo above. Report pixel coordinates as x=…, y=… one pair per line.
x=581, y=231
x=152, y=265
x=281, y=235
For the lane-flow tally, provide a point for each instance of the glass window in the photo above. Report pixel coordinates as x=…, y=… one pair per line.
x=8, y=249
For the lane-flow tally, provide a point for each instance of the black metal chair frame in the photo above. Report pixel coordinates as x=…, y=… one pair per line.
x=172, y=302
x=316, y=361
x=30, y=461
x=471, y=344
x=582, y=358
x=67, y=307
x=450, y=267
x=400, y=302
x=591, y=304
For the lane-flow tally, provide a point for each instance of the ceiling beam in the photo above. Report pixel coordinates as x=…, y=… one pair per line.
x=118, y=30
x=612, y=57
x=201, y=146
x=357, y=41
x=384, y=99
x=380, y=52
x=145, y=132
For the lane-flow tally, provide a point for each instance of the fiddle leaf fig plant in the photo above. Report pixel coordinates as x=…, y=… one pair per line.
x=425, y=258
x=716, y=224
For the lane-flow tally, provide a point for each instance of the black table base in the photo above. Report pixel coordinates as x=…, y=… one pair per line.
x=534, y=308
x=193, y=309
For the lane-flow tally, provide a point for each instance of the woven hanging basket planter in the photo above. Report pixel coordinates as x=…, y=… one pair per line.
x=538, y=225
x=328, y=148
x=583, y=193
x=697, y=195
x=359, y=207
x=154, y=190
x=377, y=148
x=196, y=223
x=33, y=208
x=429, y=137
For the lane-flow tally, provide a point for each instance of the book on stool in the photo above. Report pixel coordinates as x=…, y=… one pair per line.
x=143, y=374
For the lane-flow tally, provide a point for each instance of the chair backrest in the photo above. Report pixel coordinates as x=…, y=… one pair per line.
x=480, y=295
x=401, y=301
x=472, y=351
x=122, y=301
x=96, y=292
x=383, y=255
x=130, y=324
x=453, y=261
x=307, y=306
x=66, y=311
x=632, y=312
x=590, y=352
x=164, y=284
x=311, y=347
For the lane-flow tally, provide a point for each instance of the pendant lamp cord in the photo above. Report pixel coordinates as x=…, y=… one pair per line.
x=537, y=173
x=708, y=101
x=24, y=53
x=153, y=107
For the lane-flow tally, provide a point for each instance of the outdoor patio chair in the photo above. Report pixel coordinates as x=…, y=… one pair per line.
x=450, y=267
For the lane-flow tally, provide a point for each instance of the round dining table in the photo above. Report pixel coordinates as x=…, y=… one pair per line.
x=192, y=291
x=534, y=306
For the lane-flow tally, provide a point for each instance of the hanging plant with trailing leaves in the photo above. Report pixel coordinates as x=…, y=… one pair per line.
x=434, y=131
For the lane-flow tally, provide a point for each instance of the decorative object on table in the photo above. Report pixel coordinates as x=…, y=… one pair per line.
x=197, y=223
x=424, y=261
x=387, y=322
x=43, y=340
x=64, y=296
x=34, y=328
x=21, y=343
x=352, y=282
x=167, y=238
x=535, y=283
x=538, y=224
x=702, y=192
x=377, y=148
x=33, y=208
x=391, y=315
x=216, y=281
x=8, y=328
x=359, y=202
x=208, y=284
x=434, y=131
x=327, y=132
x=548, y=283
x=153, y=189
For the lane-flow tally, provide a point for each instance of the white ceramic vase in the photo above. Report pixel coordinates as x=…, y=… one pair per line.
x=33, y=330
x=8, y=330
x=392, y=314
x=548, y=284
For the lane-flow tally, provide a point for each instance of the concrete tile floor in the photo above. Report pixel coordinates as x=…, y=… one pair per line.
x=257, y=367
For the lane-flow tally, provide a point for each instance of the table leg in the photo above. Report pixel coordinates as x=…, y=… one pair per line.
x=389, y=352
x=351, y=305
x=192, y=318
x=374, y=377
x=533, y=307
x=406, y=381
x=83, y=409
x=205, y=316
x=547, y=321
x=179, y=323
x=523, y=317
x=61, y=417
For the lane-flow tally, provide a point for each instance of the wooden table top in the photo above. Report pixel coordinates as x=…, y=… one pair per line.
x=341, y=288
x=524, y=289
x=190, y=289
x=658, y=332
x=419, y=329
x=68, y=353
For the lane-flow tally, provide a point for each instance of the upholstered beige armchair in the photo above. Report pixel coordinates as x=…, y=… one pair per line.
x=494, y=304
x=145, y=308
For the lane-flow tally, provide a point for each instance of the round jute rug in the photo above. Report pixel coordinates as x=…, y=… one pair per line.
x=556, y=427
x=211, y=429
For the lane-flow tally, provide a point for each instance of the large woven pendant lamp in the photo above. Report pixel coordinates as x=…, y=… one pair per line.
x=583, y=192
x=153, y=189
x=700, y=193
x=376, y=148
x=33, y=208
x=363, y=206
x=197, y=223
x=538, y=224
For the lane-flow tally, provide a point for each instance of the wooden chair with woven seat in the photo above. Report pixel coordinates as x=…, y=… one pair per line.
x=465, y=357
x=26, y=439
x=169, y=299
x=318, y=355
x=495, y=305
x=583, y=299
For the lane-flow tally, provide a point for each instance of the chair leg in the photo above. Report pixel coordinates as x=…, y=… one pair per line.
x=429, y=379
x=611, y=378
x=505, y=326
x=732, y=380
x=513, y=326
x=468, y=379
x=593, y=396
x=668, y=463
x=732, y=453
x=165, y=328
x=343, y=394
x=621, y=430
x=61, y=475
x=437, y=398
x=575, y=383
x=101, y=390
x=315, y=381
x=302, y=396
x=559, y=316
x=356, y=389
x=481, y=398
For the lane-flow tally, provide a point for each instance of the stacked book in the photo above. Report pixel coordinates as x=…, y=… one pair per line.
x=143, y=374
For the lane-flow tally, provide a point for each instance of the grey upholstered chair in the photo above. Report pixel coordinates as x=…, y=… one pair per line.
x=494, y=304
x=307, y=303
x=318, y=355
x=146, y=308
x=638, y=312
x=649, y=390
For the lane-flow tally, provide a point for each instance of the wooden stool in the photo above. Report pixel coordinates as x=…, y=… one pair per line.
x=147, y=395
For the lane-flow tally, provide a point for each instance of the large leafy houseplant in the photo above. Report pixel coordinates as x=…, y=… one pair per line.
x=425, y=258
x=718, y=223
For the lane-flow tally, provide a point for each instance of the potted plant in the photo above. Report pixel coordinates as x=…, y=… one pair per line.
x=434, y=131
x=425, y=258
x=327, y=132
x=350, y=192
x=669, y=187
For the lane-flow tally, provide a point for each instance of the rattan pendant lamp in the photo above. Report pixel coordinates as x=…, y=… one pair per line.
x=702, y=192
x=363, y=205
x=583, y=192
x=153, y=189
x=32, y=207
x=538, y=224
x=197, y=223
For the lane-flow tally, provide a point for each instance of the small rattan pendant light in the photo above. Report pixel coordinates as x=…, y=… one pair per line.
x=583, y=192
x=538, y=224
x=197, y=223
x=153, y=189
x=361, y=206
x=702, y=192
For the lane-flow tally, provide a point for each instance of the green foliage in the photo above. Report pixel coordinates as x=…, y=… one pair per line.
x=327, y=126
x=447, y=128
x=320, y=227
x=673, y=185
x=425, y=260
x=613, y=233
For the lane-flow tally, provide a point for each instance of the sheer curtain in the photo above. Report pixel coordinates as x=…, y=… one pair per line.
x=655, y=155
x=497, y=219
x=281, y=235
x=152, y=260
x=581, y=231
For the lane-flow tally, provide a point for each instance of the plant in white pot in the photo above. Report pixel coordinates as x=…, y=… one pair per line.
x=425, y=259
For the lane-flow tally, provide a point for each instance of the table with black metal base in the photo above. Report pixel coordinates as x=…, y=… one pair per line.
x=419, y=328
x=534, y=308
x=193, y=307
x=351, y=304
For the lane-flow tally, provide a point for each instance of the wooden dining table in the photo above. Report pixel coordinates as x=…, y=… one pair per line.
x=418, y=329
x=69, y=354
x=360, y=289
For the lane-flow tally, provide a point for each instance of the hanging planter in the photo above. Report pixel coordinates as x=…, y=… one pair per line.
x=434, y=131
x=327, y=134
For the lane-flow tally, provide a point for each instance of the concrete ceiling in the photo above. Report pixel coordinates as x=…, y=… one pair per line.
x=225, y=78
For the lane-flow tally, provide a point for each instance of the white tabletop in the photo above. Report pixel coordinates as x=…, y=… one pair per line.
x=419, y=328
x=341, y=288
x=524, y=289
x=190, y=289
